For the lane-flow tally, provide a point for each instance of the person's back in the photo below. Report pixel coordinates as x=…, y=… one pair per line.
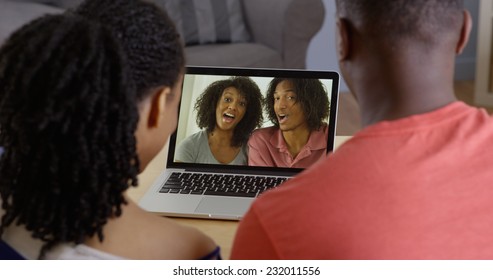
x=87, y=99
x=397, y=190
x=414, y=183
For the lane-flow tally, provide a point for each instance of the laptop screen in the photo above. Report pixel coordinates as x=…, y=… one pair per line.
x=254, y=119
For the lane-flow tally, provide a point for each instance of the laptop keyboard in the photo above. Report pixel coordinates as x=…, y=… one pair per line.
x=219, y=184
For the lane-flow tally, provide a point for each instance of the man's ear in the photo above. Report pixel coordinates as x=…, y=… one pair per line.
x=343, y=39
x=464, y=33
x=157, y=105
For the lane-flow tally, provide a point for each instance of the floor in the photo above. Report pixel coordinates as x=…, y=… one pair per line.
x=348, y=115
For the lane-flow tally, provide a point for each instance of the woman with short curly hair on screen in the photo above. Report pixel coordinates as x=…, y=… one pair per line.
x=227, y=112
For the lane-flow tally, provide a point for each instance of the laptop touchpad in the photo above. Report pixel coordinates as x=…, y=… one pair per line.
x=224, y=206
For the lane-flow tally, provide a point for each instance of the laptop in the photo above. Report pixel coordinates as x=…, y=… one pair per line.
x=210, y=191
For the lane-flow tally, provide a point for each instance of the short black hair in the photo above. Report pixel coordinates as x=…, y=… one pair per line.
x=207, y=103
x=70, y=85
x=399, y=20
x=312, y=96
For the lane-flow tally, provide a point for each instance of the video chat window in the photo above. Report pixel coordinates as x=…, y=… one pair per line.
x=195, y=85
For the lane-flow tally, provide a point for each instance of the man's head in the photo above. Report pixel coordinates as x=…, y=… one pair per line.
x=397, y=56
x=426, y=22
x=310, y=95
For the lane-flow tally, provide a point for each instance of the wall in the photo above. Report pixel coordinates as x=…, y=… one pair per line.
x=322, y=53
x=465, y=64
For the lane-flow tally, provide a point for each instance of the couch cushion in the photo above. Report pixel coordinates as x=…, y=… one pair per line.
x=207, y=21
x=234, y=55
x=13, y=15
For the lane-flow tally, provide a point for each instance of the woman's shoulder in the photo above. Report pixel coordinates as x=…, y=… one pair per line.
x=139, y=234
x=179, y=241
x=195, y=138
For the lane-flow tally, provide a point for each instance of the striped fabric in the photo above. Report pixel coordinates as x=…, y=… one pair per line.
x=198, y=21
x=207, y=21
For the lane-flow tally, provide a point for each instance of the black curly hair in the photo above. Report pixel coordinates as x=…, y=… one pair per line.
x=207, y=103
x=311, y=94
x=70, y=85
x=423, y=21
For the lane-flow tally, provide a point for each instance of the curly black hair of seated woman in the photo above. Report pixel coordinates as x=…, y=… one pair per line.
x=207, y=103
x=70, y=86
x=312, y=96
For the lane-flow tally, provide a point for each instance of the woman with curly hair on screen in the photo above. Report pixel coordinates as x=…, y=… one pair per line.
x=298, y=108
x=87, y=99
x=227, y=111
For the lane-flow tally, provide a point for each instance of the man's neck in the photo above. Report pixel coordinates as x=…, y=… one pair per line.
x=403, y=87
x=296, y=139
x=387, y=110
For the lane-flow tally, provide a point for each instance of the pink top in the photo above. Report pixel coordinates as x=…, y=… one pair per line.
x=414, y=188
x=268, y=148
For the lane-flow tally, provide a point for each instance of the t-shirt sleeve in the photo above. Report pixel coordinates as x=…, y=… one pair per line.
x=254, y=155
x=185, y=152
x=252, y=241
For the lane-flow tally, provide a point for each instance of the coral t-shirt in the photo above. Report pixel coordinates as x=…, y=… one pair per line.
x=267, y=147
x=415, y=188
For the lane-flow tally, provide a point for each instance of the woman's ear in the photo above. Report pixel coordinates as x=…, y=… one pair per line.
x=465, y=32
x=157, y=106
x=343, y=39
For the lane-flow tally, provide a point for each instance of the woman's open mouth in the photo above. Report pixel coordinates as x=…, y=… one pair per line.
x=228, y=118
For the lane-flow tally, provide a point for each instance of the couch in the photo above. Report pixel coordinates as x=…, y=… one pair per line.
x=279, y=31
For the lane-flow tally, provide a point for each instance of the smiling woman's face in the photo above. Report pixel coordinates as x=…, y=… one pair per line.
x=289, y=113
x=230, y=109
